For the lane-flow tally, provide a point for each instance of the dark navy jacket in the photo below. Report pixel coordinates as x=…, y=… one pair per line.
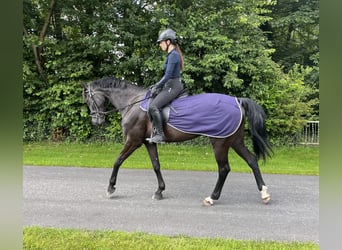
x=172, y=68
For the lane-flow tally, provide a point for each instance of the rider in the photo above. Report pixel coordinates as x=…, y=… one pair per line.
x=170, y=86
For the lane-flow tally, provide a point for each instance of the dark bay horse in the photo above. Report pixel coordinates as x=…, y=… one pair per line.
x=136, y=126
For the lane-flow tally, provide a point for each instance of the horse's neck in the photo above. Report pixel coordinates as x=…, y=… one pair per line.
x=121, y=98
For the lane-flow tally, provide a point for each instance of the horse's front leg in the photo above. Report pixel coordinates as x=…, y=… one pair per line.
x=127, y=150
x=112, y=180
x=153, y=153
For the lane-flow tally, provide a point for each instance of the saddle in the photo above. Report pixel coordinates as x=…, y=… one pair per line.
x=166, y=109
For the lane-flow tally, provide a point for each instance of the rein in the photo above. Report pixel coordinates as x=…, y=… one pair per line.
x=98, y=112
x=128, y=105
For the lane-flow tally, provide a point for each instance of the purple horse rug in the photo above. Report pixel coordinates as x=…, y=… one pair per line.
x=213, y=115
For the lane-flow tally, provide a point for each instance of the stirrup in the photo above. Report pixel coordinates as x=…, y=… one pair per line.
x=156, y=139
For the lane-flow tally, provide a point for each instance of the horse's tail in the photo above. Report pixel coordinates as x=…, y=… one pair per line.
x=257, y=127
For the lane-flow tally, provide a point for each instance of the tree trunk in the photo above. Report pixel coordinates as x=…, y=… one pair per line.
x=37, y=50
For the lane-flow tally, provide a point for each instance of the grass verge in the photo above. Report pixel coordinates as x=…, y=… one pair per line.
x=50, y=238
x=286, y=160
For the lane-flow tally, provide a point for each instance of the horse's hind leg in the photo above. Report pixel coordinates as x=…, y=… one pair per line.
x=221, y=155
x=252, y=162
x=153, y=153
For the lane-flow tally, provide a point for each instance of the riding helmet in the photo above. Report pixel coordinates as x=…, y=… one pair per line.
x=167, y=34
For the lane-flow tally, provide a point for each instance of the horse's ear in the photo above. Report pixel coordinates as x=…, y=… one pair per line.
x=83, y=84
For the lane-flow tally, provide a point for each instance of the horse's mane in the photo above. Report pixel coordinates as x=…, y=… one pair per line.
x=112, y=82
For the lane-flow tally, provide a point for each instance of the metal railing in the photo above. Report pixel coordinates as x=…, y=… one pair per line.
x=310, y=133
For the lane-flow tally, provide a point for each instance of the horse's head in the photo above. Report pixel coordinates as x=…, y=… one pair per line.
x=96, y=104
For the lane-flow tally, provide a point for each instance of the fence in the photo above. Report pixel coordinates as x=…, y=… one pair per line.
x=310, y=133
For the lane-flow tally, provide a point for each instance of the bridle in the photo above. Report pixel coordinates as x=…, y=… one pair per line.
x=98, y=113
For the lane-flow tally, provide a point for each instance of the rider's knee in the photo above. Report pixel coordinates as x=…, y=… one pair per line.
x=152, y=108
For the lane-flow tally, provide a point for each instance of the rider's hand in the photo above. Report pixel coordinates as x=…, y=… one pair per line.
x=154, y=90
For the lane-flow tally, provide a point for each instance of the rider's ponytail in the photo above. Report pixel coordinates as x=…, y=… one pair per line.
x=180, y=54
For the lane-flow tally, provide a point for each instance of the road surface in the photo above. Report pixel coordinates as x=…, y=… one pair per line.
x=72, y=197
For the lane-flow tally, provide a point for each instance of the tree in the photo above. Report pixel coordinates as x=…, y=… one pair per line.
x=294, y=32
x=225, y=45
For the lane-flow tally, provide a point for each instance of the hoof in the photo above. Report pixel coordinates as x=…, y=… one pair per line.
x=265, y=196
x=208, y=202
x=110, y=192
x=157, y=196
x=266, y=200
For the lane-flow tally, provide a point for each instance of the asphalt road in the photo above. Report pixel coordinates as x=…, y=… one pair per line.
x=65, y=197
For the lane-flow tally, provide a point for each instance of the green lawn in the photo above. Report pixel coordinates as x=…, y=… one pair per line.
x=286, y=160
x=37, y=238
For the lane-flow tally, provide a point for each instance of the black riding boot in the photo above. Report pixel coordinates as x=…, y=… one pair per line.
x=157, y=122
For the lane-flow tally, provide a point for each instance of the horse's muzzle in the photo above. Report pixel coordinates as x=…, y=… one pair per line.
x=97, y=119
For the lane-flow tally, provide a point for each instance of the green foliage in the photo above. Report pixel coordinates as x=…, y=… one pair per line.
x=227, y=46
x=63, y=114
x=288, y=105
x=113, y=130
x=295, y=31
